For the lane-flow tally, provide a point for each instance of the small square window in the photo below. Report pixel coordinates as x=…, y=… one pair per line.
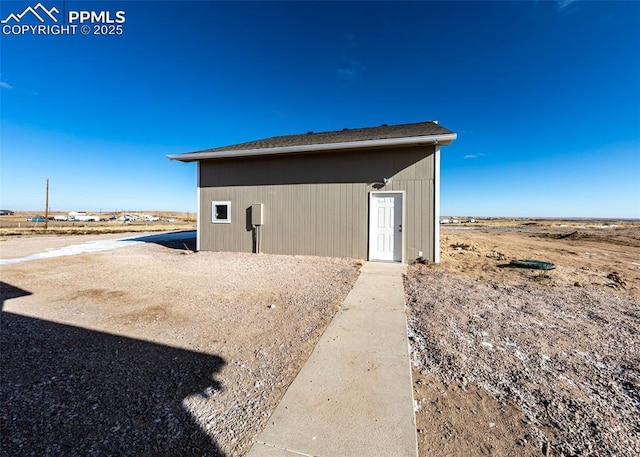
x=221, y=212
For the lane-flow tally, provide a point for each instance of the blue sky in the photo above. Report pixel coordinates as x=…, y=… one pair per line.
x=544, y=96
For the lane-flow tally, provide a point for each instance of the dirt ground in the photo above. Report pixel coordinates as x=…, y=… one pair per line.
x=520, y=362
x=148, y=350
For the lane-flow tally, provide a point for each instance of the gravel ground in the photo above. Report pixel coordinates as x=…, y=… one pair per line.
x=568, y=357
x=148, y=351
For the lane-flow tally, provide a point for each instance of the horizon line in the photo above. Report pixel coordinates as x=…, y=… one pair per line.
x=459, y=216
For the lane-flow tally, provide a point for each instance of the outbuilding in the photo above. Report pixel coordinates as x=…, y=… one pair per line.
x=367, y=193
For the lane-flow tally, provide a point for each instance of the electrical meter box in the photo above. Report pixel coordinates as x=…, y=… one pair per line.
x=257, y=214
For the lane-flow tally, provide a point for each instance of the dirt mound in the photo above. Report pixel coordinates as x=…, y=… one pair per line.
x=575, y=235
x=618, y=238
x=464, y=247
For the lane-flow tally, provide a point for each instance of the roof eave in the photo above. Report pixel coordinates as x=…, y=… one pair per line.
x=442, y=139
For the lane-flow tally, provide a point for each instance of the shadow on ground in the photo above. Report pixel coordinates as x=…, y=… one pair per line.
x=70, y=391
x=184, y=240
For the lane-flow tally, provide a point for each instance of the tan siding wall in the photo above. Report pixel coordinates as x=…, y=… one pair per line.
x=316, y=204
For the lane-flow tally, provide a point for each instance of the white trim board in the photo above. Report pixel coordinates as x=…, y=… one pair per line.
x=436, y=206
x=198, y=212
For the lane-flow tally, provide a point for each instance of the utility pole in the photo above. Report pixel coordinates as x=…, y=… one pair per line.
x=46, y=208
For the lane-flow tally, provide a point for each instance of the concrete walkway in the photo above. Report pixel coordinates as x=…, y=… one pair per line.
x=354, y=395
x=102, y=243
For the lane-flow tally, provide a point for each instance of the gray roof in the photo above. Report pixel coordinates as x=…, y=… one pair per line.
x=350, y=138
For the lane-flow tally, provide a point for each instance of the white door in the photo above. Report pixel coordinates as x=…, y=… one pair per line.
x=385, y=227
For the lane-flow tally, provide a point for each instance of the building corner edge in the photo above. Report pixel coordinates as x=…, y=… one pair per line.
x=198, y=215
x=436, y=206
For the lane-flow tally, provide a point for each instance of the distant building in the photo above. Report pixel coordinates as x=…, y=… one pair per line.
x=368, y=193
x=6, y=212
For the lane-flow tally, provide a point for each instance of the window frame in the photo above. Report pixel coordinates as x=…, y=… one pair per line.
x=215, y=220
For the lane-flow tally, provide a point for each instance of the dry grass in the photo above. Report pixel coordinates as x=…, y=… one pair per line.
x=93, y=229
x=18, y=225
x=544, y=223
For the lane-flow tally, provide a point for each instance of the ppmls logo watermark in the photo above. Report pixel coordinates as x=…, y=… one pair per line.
x=40, y=20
